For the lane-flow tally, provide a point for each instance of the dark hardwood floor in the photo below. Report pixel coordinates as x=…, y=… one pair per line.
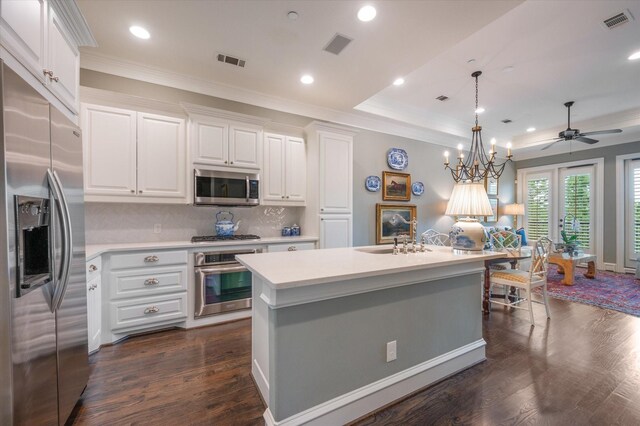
x=581, y=367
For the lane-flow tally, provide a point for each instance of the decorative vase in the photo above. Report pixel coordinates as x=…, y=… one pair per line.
x=467, y=234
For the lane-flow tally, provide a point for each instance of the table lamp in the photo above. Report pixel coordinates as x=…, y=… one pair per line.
x=515, y=210
x=468, y=199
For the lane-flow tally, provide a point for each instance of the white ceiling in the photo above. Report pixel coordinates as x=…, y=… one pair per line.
x=559, y=51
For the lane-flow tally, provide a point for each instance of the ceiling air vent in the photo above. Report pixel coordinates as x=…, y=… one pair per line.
x=337, y=44
x=442, y=98
x=617, y=20
x=231, y=60
x=506, y=121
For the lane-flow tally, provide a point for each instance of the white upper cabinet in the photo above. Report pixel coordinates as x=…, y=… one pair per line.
x=285, y=170
x=31, y=31
x=219, y=142
x=23, y=33
x=63, y=63
x=109, y=136
x=133, y=156
x=336, y=173
x=161, y=156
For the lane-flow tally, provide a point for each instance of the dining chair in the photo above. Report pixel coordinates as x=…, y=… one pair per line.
x=433, y=237
x=504, y=241
x=526, y=281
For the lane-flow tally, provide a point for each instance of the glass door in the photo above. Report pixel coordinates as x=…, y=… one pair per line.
x=632, y=213
x=576, y=206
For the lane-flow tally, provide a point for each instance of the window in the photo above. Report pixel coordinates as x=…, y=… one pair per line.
x=632, y=208
x=577, y=207
x=537, y=207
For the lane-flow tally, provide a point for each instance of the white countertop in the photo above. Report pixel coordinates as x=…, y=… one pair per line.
x=94, y=250
x=302, y=268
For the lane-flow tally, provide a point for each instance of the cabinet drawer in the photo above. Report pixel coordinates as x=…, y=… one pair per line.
x=290, y=247
x=147, y=281
x=148, y=258
x=148, y=311
x=94, y=268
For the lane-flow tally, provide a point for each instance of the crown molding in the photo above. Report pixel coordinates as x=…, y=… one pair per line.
x=69, y=13
x=200, y=110
x=359, y=119
x=122, y=100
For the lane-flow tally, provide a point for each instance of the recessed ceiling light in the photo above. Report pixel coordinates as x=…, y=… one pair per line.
x=531, y=129
x=306, y=79
x=508, y=68
x=480, y=110
x=470, y=61
x=398, y=81
x=139, y=32
x=634, y=56
x=367, y=13
x=293, y=15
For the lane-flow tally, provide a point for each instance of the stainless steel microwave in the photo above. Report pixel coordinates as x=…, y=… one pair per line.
x=225, y=188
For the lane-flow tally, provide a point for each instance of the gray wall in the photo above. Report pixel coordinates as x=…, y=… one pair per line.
x=322, y=350
x=426, y=166
x=370, y=157
x=609, y=154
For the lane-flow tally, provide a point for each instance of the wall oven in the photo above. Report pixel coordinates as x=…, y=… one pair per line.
x=225, y=188
x=222, y=283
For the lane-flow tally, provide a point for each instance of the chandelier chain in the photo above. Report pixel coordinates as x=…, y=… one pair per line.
x=476, y=110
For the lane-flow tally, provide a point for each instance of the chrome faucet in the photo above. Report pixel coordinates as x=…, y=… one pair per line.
x=404, y=244
x=395, y=247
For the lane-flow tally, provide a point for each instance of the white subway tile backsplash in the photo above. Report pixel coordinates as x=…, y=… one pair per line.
x=107, y=223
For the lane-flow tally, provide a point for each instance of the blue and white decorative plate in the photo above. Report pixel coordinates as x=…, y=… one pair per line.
x=373, y=183
x=397, y=159
x=417, y=188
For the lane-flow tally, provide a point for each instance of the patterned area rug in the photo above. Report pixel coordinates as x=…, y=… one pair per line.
x=620, y=292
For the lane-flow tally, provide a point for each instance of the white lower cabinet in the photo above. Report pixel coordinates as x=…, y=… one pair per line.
x=94, y=303
x=147, y=289
x=335, y=231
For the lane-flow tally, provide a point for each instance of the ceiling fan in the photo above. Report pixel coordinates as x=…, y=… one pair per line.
x=575, y=134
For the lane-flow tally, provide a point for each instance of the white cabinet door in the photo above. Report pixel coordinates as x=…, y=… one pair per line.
x=22, y=33
x=296, y=169
x=94, y=313
x=273, y=173
x=244, y=146
x=109, y=142
x=161, y=156
x=335, y=231
x=211, y=142
x=64, y=62
x=336, y=171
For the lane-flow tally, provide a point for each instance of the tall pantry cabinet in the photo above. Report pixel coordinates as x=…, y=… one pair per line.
x=329, y=212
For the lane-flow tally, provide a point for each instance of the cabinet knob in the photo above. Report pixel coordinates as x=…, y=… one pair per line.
x=283, y=196
x=287, y=196
x=151, y=281
x=226, y=162
x=133, y=191
x=48, y=72
x=321, y=210
x=56, y=78
x=93, y=268
x=292, y=248
x=151, y=310
x=232, y=162
x=151, y=259
x=140, y=192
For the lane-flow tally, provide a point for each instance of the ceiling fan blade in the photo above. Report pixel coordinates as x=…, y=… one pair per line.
x=586, y=140
x=601, y=132
x=551, y=144
x=547, y=140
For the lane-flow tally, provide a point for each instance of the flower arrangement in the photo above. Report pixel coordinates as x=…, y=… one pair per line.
x=570, y=240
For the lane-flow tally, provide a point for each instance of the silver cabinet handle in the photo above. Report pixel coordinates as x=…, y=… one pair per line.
x=93, y=268
x=292, y=248
x=151, y=259
x=48, y=72
x=151, y=281
x=151, y=310
x=93, y=286
x=56, y=78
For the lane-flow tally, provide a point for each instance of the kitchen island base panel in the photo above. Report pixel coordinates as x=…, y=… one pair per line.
x=324, y=362
x=368, y=399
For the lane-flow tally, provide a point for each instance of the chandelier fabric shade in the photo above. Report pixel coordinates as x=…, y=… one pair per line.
x=478, y=164
x=469, y=199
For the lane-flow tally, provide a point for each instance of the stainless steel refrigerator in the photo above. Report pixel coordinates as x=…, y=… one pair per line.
x=43, y=312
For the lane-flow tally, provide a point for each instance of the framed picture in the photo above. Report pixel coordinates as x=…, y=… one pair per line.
x=396, y=186
x=394, y=221
x=491, y=186
x=494, y=206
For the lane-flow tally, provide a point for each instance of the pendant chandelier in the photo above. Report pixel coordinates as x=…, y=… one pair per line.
x=477, y=165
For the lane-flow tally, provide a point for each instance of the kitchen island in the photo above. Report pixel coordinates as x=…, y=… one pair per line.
x=338, y=333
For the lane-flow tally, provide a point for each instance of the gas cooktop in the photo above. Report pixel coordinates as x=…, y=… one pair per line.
x=209, y=238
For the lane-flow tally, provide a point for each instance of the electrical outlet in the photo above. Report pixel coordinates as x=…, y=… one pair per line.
x=157, y=228
x=392, y=353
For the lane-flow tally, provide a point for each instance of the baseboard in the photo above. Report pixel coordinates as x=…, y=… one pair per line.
x=610, y=267
x=355, y=404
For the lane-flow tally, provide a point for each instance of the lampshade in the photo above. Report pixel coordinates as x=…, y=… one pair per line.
x=514, y=209
x=469, y=199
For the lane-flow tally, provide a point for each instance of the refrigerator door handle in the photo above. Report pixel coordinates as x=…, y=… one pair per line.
x=64, y=261
x=69, y=241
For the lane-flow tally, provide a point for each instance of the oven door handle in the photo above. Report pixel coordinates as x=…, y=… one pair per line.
x=248, y=192
x=220, y=269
